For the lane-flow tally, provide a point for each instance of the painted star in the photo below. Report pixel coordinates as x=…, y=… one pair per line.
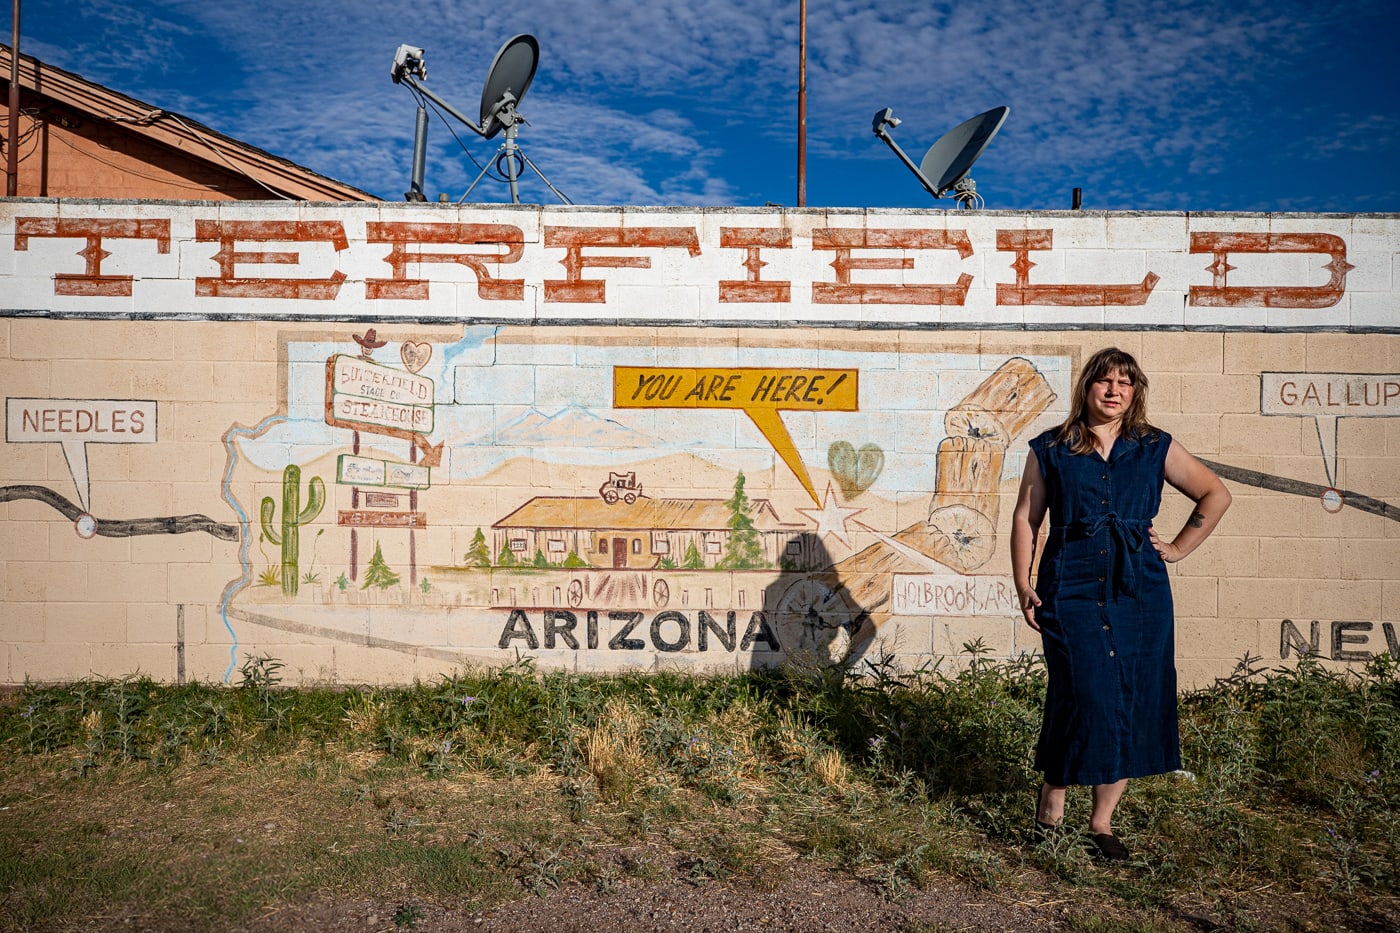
x=831, y=518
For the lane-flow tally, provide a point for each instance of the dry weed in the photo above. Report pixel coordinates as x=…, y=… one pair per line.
x=364, y=717
x=829, y=767
x=612, y=750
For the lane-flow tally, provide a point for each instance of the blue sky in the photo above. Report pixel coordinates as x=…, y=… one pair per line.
x=1270, y=105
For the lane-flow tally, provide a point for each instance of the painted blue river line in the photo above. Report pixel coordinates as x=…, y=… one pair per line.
x=246, y=567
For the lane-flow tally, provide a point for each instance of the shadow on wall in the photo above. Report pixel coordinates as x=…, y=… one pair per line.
x=809, y=612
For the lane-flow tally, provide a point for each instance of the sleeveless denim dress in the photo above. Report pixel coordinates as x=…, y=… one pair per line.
x=1106, y=616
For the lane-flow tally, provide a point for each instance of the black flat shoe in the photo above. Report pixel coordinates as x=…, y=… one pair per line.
x=1044, y=831
x=1110, y=848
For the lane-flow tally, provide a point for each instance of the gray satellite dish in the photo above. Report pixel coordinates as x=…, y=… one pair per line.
x=946, y=164
x=511, y=72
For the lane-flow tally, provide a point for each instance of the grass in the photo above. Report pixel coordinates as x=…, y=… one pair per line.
x=127, y=798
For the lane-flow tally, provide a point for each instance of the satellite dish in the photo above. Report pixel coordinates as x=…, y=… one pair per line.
x=946, y=165
x=511, y=72
x=950, y=159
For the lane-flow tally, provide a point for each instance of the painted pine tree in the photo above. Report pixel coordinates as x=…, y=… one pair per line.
x=378, y=573
x=478, y=555
x=742, y=551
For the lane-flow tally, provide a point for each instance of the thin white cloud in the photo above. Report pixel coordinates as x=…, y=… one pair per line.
x=674, y=101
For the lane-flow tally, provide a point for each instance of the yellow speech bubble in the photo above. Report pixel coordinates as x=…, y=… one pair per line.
x=760, y=392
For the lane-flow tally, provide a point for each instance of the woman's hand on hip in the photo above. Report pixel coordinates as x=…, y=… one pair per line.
x=1166, y=550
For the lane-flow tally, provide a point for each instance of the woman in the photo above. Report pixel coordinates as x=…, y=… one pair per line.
x=1102, y=602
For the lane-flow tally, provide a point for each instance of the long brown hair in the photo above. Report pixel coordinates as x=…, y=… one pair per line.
x=1074, y=433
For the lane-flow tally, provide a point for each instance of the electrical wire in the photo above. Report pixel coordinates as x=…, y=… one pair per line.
x=494, y=171
x=424, y=102
x=35, y=126
x=125, y=169
x=215, y=149
x=149, y=118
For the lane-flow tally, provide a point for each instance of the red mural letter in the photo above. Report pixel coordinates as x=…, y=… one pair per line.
x=573, y=240
x=1220, y=294
x=1021, y=242
x=405, y=236
x=842, y=240
x=753, y=239
x=227, y=232
x=91, y=281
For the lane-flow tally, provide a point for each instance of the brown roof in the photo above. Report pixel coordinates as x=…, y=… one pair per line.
x=569, y=512
x=191, y=139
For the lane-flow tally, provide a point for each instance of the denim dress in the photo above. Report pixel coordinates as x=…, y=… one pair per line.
x=1105, y=616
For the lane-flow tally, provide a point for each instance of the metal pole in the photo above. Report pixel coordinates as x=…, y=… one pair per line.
x=12, y=137
x=510, y=164
x=801, y=103
x=420, y=156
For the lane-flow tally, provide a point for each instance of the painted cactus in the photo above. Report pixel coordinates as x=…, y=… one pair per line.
x=293, y=517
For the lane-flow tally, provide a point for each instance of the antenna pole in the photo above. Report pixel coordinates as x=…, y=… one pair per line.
x=801, y=103
x=12, y=137
x=509, y=155
x=420, y=156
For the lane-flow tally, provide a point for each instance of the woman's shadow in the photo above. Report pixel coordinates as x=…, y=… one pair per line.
x=810, y=614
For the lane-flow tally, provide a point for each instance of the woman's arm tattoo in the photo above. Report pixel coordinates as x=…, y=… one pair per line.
x=1196, y=520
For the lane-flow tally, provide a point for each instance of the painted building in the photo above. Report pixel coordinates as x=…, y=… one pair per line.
x=309, y=430
x=643, y=533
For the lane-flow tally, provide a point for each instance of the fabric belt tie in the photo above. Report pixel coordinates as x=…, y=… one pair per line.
x=1129, y=536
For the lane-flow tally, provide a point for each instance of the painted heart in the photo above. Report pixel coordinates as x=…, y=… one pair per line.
x=415, y=355
x=855, y=470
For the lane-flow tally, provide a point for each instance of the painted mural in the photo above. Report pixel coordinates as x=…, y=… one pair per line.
x=735, y=512
x=440, y=461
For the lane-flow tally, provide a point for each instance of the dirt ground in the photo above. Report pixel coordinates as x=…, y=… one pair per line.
x=817, y=903
x=798, y=904
x=799, y=897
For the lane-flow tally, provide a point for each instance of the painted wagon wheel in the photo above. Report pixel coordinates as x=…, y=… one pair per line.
x=820, y=616
x=660, y=594
x=575, y=593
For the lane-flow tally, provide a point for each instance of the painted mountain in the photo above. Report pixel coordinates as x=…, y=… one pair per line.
x=571, y=426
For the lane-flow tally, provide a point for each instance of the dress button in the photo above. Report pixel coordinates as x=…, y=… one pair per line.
x=1102, y=551
x=1113, y=654
x=1103, y=502
x=1101, y=602
x=1100, y=579
x=1105, y=476
x=1105, y=628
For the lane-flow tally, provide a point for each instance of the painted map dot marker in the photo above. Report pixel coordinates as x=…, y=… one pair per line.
x=1332, y=499
x=85, y=525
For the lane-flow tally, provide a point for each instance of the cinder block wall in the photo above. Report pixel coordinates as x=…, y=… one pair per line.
x=418, y=414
